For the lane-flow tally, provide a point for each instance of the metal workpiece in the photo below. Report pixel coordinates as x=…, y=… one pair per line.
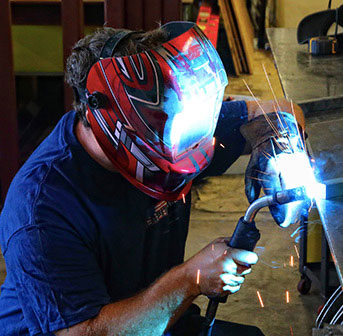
x=331, y=215
x=314, y=82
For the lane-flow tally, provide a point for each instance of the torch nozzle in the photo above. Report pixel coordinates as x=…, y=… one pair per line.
x=280, y=197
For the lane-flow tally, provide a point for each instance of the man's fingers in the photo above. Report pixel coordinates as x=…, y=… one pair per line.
x=231, y=279
x=244, y=257
x=232, y=289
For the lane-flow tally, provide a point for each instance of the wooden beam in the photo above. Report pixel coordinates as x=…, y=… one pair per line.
x=171, y=10
x=73, y=29
x=9, y=151
x=134, y=16
x=115, y=12
x=152, y=14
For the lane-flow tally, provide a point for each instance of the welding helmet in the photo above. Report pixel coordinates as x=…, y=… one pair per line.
x=154, y=113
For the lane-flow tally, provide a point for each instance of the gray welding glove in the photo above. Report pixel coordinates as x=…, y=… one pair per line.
x=277, y=145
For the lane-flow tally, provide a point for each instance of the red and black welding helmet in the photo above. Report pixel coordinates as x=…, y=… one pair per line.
x=154, y=113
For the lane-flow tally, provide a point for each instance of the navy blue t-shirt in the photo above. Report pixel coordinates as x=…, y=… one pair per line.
x=76, y=236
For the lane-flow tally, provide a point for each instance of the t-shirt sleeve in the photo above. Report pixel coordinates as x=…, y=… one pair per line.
x=58, y=280
x=229, y=140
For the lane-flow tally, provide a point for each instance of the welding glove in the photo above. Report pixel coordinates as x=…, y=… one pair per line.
x=274, y=138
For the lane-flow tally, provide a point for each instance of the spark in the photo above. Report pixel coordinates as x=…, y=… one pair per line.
x=296, y=250
x=267, y=154
x=262, y=172
x=291, y=261
x=291, y=330
x=212, y=247
x=270, y=85
x=260, y=299
x=225, y=252
x=198, y=276
x=267, y=157
x=258, y=179
x=222, y=145
x=287, y=296
x=302, y=139
x=183, y=198
x=213, y=141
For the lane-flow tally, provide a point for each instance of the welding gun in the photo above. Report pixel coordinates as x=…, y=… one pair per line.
x=246, y=236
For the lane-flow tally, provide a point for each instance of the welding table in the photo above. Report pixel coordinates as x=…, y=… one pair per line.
x=315, y=83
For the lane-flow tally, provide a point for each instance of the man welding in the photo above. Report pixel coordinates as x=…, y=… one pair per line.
x=94, y=225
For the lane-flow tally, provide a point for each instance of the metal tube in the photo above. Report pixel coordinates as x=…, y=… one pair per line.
x=256, y=206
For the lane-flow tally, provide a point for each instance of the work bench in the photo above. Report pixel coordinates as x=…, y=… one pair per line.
x=315, y=83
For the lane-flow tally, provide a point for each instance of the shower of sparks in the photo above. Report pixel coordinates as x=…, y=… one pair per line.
x=291, y=261
x=198, y=276
x=296, y=250
x=213, y=141
x=264, y=113
x=291, y=330
x=183, y=198
x=222, y=145
x=287, y=296
x=260, y=299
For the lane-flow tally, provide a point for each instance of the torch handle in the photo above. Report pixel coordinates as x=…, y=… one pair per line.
x=245, y=237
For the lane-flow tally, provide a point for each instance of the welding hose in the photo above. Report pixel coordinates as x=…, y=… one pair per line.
x=246, y=236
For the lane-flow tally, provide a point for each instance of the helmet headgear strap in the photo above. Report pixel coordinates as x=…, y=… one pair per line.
x=106, y=51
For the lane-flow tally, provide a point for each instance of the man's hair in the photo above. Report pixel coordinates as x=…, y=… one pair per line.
x=86, y=52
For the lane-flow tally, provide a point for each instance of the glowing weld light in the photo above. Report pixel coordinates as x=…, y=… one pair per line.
x=260, y=299
x=287, y=296
x=198, y=276
x=296, y=171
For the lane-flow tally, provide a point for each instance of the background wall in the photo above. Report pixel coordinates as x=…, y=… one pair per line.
x=290, y=12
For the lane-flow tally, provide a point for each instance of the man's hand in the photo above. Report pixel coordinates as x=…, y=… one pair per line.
x=218, y=269
x=276, y=139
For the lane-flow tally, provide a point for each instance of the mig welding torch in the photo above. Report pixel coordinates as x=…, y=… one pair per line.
x=246, y=236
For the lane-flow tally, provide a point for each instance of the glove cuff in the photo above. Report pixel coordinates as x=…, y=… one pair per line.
x=263, y=127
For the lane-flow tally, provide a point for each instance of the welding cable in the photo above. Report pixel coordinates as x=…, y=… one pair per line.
x=327, y=306
x=337, y=315
x=339, y=318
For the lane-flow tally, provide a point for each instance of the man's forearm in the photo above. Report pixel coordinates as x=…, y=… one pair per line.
x=150, y=312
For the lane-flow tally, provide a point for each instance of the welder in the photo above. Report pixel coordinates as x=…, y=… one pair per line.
x=94, y=224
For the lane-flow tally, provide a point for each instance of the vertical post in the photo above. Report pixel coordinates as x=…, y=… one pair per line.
x=9, y=151
x=135, y=18
x=115, y=13
x=152, y=14
x=73, y=29
x=171, y=10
